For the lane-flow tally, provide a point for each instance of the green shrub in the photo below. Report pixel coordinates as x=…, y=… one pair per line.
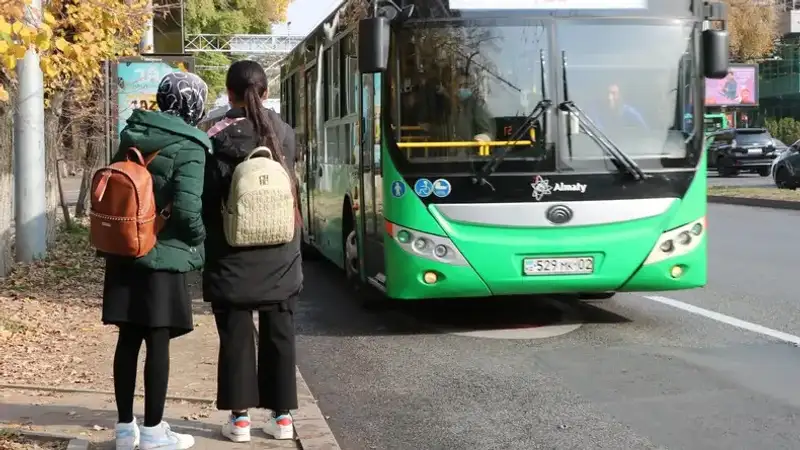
x=786, y=129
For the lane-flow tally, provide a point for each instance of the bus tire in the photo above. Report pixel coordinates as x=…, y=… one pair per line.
x=365, y=295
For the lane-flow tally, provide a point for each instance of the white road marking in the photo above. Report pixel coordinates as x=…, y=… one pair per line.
x=719, y=317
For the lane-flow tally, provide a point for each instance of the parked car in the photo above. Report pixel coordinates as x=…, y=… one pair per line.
x=737, y=150
x=780, y=147
x=786, y=168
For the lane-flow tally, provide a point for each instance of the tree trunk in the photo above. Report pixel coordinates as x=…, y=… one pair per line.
x=91, y=161
x=6, y=185
x=52, y=142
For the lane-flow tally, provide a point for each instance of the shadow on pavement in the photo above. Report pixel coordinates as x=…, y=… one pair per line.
x=327, y=308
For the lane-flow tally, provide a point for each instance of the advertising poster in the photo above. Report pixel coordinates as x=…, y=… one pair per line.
x=738, y=88
x=137, y=83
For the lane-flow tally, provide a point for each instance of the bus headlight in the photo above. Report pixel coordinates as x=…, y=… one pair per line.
x=420, y=244
x=425, y=245
x=677, y=242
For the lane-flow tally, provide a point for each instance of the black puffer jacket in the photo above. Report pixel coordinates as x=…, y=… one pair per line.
x=248, y=277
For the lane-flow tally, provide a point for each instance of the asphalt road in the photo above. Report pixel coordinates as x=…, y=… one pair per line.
x=638, y=373
x=743, y=180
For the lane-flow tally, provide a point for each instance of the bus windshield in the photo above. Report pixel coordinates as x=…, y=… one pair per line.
x=462, y=90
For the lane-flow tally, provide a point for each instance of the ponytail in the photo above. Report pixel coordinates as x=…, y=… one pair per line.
x=254, y=110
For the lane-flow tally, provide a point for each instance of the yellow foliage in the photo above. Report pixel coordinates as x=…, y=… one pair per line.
x=72, y=37
x=753, y=29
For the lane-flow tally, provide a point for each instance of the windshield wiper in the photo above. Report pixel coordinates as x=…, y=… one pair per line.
x=541, y=107
x=621, y=159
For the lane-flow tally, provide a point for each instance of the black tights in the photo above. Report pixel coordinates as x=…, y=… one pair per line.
x=156, y=372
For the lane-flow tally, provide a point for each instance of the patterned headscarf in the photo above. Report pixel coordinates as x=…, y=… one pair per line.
x=183, y=94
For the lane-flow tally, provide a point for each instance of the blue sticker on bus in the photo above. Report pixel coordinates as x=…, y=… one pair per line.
x=398, y=189
x=423, y=187
x=441, y=188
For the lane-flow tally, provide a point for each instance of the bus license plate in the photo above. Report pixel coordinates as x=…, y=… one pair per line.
x=559, y=266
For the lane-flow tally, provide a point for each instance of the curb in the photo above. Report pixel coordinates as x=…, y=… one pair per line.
x=72, y=443
x=755, y=202
x=313, y=432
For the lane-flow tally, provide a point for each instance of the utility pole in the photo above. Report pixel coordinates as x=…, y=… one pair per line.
x=29, y=152
x=147, y=44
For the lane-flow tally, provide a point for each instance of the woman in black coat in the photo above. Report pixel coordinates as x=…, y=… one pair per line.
x=240, y=280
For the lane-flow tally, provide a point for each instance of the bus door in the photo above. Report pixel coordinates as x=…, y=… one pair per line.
x=371, y=181
x=312, y=160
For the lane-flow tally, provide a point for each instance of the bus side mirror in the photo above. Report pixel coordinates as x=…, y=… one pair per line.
x=373, y=44
x=715, y=54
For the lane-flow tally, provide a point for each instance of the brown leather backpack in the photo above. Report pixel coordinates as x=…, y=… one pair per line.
x=123, y=219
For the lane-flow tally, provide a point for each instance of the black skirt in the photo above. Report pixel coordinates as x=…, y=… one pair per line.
x=147, y=298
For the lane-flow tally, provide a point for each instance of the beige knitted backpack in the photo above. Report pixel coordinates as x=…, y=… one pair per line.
x=260, y=208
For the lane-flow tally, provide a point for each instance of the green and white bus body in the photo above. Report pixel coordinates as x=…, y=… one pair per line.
x=711, y=122
x=402, y=201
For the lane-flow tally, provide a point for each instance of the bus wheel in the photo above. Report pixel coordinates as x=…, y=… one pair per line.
x=366, y=296
x=351, y=263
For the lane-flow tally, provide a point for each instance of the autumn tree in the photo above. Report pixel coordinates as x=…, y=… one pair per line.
x=227, y=17
x=753, y=29
x=73, y=38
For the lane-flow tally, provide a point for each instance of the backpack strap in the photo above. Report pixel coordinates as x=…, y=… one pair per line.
x=222, y=124
x=166, y=212
x=139, y=158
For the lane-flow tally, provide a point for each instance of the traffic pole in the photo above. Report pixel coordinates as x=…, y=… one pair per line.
x=29, y=152
x=147, y=44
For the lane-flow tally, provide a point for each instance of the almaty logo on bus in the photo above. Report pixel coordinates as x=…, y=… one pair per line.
x=541, y=187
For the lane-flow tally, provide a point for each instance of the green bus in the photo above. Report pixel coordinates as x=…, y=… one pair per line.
x=477, y=148
x=715, y=122
x=711, y=122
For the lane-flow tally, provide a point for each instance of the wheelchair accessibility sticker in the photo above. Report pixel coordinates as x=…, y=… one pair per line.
x=423, y=187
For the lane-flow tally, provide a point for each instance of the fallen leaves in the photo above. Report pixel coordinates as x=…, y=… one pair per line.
x=47, y=342
x=71, y=271
x=196, y=416
x=50, y=317
x=17, y=441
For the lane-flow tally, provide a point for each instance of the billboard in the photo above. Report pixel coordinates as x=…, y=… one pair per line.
x=738, y=88
x=134, y=82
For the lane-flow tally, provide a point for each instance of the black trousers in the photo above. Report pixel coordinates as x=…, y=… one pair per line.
x=267, y=381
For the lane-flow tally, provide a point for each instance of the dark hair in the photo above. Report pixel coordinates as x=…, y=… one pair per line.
x=247, y=83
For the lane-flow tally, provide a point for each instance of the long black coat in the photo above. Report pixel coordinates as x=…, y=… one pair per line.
x=245, y=277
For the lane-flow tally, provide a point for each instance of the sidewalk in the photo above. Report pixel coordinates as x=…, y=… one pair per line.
x=82, y=405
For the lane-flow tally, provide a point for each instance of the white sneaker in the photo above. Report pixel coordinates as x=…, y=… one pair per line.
x=162, y=438
x=237, y=429
x=126, y=435
x=280, y=427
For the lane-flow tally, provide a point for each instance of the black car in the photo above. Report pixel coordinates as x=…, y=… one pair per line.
x=736, y=150
x=786, y=168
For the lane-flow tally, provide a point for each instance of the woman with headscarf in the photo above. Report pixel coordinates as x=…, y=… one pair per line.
x=147, y=297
